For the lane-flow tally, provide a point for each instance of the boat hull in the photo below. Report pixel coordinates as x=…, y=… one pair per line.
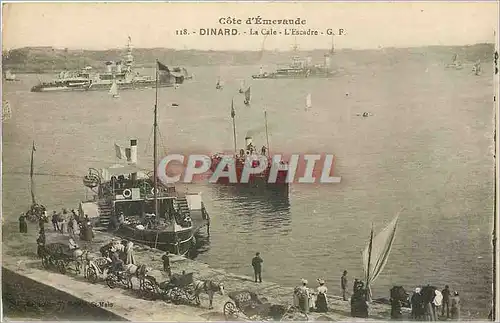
x=174, y=242
x=291, y=76
x=256, y=182
x=98, y=87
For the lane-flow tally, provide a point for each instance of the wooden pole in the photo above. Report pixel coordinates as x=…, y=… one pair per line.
x=267, y=134
x=368, y=296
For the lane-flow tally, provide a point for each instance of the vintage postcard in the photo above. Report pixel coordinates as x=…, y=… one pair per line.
x=267, y=161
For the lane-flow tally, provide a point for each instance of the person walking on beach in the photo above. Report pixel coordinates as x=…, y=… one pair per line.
x=455, y=306
x=257, y=267
x=166, y=264
x=446, y=301
x=23, y=225
x=343, y=284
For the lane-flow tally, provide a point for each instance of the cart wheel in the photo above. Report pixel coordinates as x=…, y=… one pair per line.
x=92, y=275
x=230, y=311
x=111, y=281
x=148, y=290
x=176, y=296
x=61, y=266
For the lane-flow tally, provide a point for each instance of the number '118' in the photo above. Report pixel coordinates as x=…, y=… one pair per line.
x=180, y=32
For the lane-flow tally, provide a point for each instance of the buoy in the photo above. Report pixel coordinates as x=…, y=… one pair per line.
x=127, y=193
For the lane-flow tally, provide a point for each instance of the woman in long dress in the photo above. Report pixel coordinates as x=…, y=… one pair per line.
x=302, y=294
x=321, y=302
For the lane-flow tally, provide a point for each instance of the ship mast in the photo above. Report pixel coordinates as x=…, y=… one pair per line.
x=155, y=157
x=129, y=59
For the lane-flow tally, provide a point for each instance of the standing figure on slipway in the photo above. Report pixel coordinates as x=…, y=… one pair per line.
x=129, y=251
x=321, y=300
x=359, y=307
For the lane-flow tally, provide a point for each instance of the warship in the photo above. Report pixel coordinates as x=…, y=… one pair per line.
x=120, y=72
x=300, y=68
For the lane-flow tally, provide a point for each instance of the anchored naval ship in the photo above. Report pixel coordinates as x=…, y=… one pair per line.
x=121, y=73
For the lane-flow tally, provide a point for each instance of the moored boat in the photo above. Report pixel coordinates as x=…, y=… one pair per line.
x=248, y=156
x=153, y=214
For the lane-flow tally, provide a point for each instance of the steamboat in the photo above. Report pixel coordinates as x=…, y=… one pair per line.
x=300, y=68
x=257, y=183
x=142, y=209
x=121, y=72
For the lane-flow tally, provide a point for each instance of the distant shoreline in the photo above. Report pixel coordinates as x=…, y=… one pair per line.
x=43, y=60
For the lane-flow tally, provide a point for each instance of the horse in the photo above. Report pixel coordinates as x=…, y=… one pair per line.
x=81, y=258
x=138, y=271
x=106, y=250
x=208, y=287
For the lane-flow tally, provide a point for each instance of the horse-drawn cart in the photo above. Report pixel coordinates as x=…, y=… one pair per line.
x=60, y=256
x=179, y=289
x=247, y=305
x=97, y=269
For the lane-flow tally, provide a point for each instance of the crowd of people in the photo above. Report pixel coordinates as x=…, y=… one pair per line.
x=307, y=299
x=424, y=302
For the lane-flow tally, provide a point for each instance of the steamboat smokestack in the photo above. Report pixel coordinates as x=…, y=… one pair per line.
x=118, y=67
x=133, y=151
x=133, y=156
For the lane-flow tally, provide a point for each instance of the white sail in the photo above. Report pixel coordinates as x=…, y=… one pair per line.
x=114, y=90
x=308, y=101
x=377, y=252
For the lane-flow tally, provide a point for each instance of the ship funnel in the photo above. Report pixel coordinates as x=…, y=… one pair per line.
x=133, y=151
x=309, y=61
x=248, y=141
x=327, y=61
x=109, y=66
x=119, y=67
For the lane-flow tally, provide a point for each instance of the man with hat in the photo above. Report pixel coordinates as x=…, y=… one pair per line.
x=343, y=284
x=257, y=267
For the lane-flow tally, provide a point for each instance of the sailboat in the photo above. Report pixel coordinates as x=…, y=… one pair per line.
x=155, y=214
x=308, y=102
x=377, y=252
x=36, y=211
x=247, y=97
x=9, y=76
x=456, y=64
x=218, y=86
x=242, y=86
x=477, y=68
x=114, y=90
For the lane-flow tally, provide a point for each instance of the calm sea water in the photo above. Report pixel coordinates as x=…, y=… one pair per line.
x=427, y=147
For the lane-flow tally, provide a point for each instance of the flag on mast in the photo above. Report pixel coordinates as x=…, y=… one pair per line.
x=163, y=67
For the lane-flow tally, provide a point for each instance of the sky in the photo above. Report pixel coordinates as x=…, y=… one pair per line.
x=366, y=25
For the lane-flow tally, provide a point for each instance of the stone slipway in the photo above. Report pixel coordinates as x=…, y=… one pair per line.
x=19, y=256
